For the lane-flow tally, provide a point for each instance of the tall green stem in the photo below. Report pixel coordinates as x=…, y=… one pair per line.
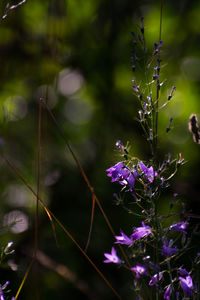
x=157, y=92
x=170, y=275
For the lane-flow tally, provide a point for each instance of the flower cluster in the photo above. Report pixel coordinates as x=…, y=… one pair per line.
x=140, y=235
x=5, y=251
x=123, y=175
x=144, y=267
x=154, y=251
x=127, y=175
x=2, y=289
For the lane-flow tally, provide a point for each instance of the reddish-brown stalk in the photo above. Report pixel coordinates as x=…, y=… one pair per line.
x=94, y=197
x=50, y=213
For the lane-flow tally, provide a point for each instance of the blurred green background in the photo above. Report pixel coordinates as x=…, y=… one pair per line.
x=76, y=54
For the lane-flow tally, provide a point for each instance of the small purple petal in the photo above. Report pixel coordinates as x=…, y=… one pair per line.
x=168, y=293
x=148, y=172
x=131, y=179
x=155, y=279
x=139, y=270
x=181, y=226
x=186, y=285
x=135, y=87
x=171, y=93
x=123, y=239
x=1, y=294
x=167, y=250
x=114, y=171
x=141, y=232
x=119, y=173
x=3, y=288
x=119, y=145
x=112, y=258
x=183, y=272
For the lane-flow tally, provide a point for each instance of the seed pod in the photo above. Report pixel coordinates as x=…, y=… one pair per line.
x=194, y=128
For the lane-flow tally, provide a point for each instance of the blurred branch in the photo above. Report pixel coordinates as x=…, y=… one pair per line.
x=65, y=273
x=11, y=7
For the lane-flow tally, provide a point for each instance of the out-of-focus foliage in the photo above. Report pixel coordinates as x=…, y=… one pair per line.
x=75, y=54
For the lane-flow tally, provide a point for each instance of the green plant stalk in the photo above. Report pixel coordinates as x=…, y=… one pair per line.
x=170, y=275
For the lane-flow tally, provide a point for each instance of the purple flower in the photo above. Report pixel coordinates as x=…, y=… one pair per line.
x=3, y=288
x=123, y=239
x=112, y=257
x=135, y=87
x=141, y=232
x=183, y=272
x=186, y=285
x=134, y=37
x=168, y=293
x=167, y=250
x=139, y=270
x=171, y=93
x=1, y=294
x=148, y=172
x=155, y=279
x=181, y=226
x=119, y=145
x=122, y=174
x=115, y=172
x=131, y=179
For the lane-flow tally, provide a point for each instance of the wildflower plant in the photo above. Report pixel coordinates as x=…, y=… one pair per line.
x=153, y=251
x=5, y=252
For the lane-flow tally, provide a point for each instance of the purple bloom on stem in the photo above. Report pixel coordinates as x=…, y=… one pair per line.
x=4, y=286
x=183, y=272
x=123, y=239
x=168, y=293
x=181, y=226
x=141, y=115
x=134, y=38
x=139, y=270
x=135, y=87
x=171, y=93
x=123, y=176
x=141, y=232
x=119, y=145
x=186, y=285
x=167, y=250
x=1, y=294
x=155, y=279
x=115, y=171
x=112, y=257
x=131, y=179
x=148, y=172
x=119, y=173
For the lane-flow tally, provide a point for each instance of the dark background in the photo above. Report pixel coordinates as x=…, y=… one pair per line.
x=75, y=54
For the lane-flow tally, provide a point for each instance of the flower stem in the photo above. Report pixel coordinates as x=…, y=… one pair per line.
x=171, y=280
x=157, y=90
